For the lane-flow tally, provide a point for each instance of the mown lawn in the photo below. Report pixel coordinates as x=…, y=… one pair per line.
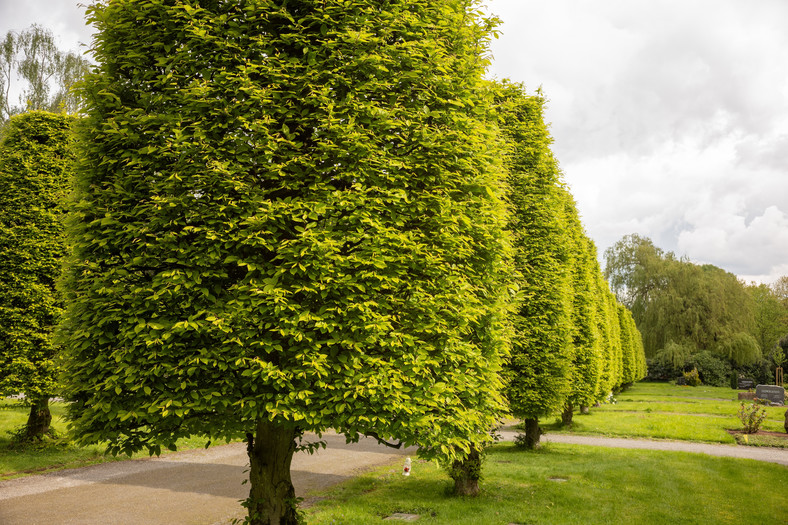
x=569, y=484
x=667, y=411
x=56, y=454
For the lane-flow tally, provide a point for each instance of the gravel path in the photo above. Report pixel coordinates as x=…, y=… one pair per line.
x=204, y=487
x=771, y=455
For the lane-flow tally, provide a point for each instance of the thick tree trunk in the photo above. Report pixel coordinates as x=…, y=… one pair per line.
x=467, y=473
x=584, y=410
x=532, y=433
x=272, y=496
x=39, y=420
x=566, y=415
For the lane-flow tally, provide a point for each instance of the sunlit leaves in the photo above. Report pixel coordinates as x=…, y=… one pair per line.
x=35, y=166
x=290, y=212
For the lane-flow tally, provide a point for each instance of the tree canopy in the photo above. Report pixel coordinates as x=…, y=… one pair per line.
x=287, y=218
x=47, y=73
x=684, y=309
x=35, y=168
x=567, y=347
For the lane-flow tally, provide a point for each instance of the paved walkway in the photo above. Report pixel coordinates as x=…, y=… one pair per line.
x=772, y=455
x=204, y=487
x=194, y=487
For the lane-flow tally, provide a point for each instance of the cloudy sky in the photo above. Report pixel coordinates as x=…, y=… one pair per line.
x=670, y=117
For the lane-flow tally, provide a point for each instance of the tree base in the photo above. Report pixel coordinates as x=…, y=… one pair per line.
x=566, y=416
x=39, y=422
x=532, y=434
x=466, y=474
x=272, y=498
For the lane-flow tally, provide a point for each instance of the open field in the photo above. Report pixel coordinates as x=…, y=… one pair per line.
x=667, y=411
x=570, y=484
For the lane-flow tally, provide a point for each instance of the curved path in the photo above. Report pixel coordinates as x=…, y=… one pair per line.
x=769, y=454
x=194, y=487
x=203, y=487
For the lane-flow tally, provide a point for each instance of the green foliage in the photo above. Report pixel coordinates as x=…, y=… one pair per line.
x=628, y=335
x=771, y=315
x=610, y=330
x=675, y=300
x=35, y=166
x=740, y=349
x=674, y=355
x=33, y=57
x=711, y=369
x=751, y=417
x=538, y=373
x=288, y=213
x=692, y=378
x=587, y=360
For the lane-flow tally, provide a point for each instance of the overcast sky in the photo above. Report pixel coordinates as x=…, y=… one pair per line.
x=670, y=117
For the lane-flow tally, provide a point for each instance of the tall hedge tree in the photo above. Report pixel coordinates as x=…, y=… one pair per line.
x=288, y=218
x=586, y=361
x=35, y=168
x=538, y=372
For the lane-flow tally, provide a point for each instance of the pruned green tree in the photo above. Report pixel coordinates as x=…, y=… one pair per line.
x=538, y=372
x=607, y=366
x=287, y=218
x=35, y=168
x=47, y=73
x=586, y=359
x=617, y=372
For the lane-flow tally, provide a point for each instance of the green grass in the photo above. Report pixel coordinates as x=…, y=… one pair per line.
x=54, y=455
x=603, y=486
x=667, y=411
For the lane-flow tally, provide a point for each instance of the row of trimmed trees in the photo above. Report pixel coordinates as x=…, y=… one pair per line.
x=573, y=344
x=318, y=216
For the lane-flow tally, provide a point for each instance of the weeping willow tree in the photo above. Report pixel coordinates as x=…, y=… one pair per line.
x=675, y=300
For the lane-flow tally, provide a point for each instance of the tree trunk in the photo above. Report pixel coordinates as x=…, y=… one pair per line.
x=39, y=420
x=271, y=496
x=467, y=473
x=584, y=410
x=566, y=415
x=532, y=433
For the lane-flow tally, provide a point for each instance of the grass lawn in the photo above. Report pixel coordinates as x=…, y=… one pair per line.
x=602, y=486
x=667, y=411
x=15, y=462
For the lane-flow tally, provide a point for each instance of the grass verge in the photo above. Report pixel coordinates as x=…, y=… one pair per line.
x=667, y=411
x=53, y=454
x=569, y=484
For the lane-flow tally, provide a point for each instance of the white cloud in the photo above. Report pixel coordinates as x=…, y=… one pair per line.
x=670, y=118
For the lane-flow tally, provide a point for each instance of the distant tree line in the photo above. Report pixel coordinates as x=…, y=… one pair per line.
x=699, y=316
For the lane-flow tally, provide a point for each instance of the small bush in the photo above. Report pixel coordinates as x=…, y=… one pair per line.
x=751, y=417
x=692, y=378
x=712, y=370
x=657, y=371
